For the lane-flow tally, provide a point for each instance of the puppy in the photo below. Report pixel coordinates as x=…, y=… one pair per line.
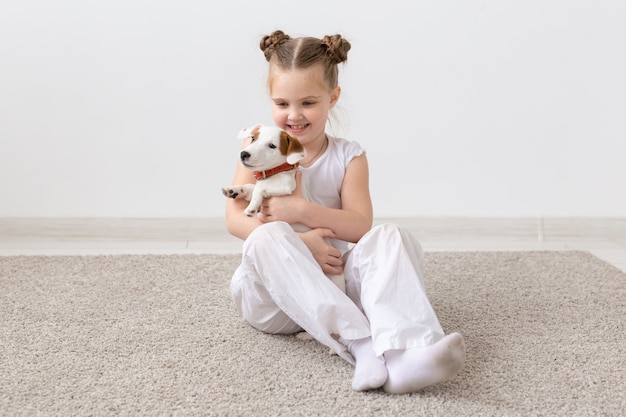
x=273, y=156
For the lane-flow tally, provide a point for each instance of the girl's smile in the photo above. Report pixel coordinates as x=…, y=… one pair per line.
x=296, y=129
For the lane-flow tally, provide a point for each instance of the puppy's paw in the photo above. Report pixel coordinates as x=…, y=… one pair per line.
x=237, y=191
x=231, y=192
x=249, y=213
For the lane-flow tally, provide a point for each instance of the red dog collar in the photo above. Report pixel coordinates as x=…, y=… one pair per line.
x=261, y=175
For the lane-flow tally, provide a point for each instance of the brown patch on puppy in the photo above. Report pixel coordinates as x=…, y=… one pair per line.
x=289, y=144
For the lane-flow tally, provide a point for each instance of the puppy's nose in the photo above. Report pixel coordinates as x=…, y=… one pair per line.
x=244, y=155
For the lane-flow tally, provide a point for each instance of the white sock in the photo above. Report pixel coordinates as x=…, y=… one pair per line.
x=413, y=369
x=370, y=371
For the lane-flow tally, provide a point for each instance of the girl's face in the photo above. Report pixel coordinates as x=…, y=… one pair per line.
x=301, y=102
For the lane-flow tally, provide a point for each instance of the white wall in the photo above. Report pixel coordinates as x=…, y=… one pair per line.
x=479, y=108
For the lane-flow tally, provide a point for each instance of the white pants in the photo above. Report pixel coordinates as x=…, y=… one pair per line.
x=280, y=288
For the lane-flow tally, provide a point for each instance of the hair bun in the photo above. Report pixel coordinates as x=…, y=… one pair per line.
x=272, y=41
x=337, y=47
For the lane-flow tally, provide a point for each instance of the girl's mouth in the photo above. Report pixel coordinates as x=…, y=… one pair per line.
x=297, y=128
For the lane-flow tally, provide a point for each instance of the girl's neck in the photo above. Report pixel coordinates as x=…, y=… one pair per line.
x=316, y=153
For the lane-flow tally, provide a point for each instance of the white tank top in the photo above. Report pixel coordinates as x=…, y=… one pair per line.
x=324, y=178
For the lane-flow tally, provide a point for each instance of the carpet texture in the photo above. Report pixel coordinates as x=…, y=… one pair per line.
x=157, y=335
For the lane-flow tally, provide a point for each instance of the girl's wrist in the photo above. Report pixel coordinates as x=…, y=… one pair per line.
x=301, y=212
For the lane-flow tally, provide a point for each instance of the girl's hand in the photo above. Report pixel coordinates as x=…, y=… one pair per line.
x=287, y=208
x=327, y=256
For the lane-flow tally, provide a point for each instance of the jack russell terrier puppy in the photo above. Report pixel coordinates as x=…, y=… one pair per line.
x=273, y=156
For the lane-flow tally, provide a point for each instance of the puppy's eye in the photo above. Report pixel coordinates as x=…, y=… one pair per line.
x=252, y=138
x=272, y=146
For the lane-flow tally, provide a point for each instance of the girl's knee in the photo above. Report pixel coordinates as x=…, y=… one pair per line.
x=272, y=227
x=268, y=231
x=389, y=235
x=385, y=229
x=390, y=231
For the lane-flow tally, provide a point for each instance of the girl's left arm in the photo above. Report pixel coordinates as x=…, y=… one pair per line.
x=349, y=223
x=355, y=217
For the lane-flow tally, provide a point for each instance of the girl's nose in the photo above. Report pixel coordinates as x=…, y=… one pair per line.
x=294, y=113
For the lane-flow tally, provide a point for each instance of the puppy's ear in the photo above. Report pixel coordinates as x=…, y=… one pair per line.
x=248, y=131
x=292, y=148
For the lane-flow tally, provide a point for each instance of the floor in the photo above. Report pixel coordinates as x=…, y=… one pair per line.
x=605, y=238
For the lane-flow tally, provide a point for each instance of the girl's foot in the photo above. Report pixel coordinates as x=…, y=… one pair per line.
x=413, y=369
x=370, y=371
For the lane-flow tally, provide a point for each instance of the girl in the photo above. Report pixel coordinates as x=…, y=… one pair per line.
x=384, y=324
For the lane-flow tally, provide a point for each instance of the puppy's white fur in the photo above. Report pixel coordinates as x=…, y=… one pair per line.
x=271, y=147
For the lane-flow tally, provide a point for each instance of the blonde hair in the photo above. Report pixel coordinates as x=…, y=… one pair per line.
x=286, y=53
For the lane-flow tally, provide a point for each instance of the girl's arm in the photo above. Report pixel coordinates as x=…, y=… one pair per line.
x=349, y=223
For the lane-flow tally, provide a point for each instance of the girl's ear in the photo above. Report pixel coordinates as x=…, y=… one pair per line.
x=334, y=96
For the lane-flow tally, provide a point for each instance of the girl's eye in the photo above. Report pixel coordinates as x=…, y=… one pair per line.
x=309, y=103
x=272, y=146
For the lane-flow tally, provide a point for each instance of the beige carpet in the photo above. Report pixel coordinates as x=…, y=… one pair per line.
x=158, y=336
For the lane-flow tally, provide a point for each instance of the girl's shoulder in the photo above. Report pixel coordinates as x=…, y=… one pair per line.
x=345, y=149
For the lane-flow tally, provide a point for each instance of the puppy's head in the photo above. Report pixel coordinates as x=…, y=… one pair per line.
x=270, y=147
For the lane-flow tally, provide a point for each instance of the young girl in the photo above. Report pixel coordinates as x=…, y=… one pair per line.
x=384, y=324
